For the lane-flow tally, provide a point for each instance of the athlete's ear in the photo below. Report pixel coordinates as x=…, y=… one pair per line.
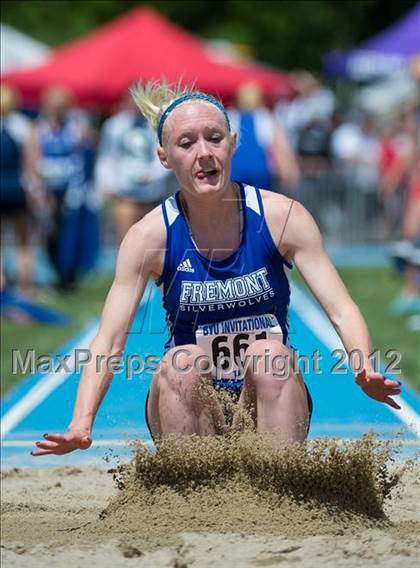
x=233, y=142
x=162, y=157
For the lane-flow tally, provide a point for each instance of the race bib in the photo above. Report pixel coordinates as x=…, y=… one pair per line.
x=226, y=342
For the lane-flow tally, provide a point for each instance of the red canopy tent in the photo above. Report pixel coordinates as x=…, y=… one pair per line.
x=141, y=44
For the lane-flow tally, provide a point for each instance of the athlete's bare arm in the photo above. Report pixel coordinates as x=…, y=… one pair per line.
x=298, y=239
x=140, y=257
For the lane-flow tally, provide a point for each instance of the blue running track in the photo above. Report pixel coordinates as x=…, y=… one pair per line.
x=44, y=403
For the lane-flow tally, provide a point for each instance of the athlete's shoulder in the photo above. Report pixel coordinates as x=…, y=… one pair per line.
x=271, y=196
x=288, y=221
x=145, y=242
x=276, y=204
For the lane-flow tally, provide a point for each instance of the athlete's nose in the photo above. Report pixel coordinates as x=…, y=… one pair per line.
x=203, y=148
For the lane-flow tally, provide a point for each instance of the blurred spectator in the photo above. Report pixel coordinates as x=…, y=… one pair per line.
x=313, y=106
x=355, y=150
x=307, y=122
x=263, y=152
x=397, y=148
x=15, y=205
x=345, y=141
x=313, y=148
x=359, y=146
x=128, y=170
x=61, y=167
x=407, y=251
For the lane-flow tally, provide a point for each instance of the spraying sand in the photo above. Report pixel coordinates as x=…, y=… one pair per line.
x=236, y=500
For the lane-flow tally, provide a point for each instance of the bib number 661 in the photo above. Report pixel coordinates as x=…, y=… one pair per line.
x=223, y=348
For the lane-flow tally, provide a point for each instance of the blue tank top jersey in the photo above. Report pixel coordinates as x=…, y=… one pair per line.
x=60, y=163
x=247, y=291
x=250, y=160
x=10, y=169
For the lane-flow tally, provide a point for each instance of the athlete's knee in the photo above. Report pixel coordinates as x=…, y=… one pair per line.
x=184, y=365
x=186, y=359
x=269, y=361
x=183, y=371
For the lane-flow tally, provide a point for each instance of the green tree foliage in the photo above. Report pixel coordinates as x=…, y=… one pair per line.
x=284, y=33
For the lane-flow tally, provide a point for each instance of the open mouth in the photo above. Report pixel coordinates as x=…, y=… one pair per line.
x=206, y=174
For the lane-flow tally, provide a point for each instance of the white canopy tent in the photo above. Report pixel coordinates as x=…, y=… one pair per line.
x=19, y=50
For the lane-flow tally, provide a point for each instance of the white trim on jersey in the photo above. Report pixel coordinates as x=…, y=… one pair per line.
x=252, y=199
x=171, y=208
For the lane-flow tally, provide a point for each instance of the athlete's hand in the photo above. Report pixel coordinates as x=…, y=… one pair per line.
x=379, y=387
x=59, y=444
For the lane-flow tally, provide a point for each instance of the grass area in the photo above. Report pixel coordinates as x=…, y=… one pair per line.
x=372, y=288
x=82, y=306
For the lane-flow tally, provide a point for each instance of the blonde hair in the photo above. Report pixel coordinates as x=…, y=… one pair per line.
x=156, y=100
x=249, y=96
x=9, y=99
x=153, y=98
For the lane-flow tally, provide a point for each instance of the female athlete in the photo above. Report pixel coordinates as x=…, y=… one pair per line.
x=219, y=250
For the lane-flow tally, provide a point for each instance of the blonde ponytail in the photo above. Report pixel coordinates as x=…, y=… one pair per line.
x=153, y=98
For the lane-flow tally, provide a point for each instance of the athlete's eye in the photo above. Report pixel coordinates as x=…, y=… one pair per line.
x=185, y=144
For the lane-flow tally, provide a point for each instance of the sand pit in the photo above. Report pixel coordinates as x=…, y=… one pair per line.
x=220, y=502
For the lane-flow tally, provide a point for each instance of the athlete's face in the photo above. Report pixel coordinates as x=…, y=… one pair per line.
x=198, y=147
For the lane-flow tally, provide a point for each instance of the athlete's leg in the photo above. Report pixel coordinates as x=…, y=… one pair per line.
x=22, y=231
x=127, y=212
x=179, y=401
x=124, y=214
x=274, y=392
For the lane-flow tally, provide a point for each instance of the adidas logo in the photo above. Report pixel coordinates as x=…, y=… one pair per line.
x=185, y=266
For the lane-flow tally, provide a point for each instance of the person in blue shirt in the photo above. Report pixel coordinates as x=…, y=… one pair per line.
x=219, y=250
x=61, y=167
x=16, y=203
x=263, y=156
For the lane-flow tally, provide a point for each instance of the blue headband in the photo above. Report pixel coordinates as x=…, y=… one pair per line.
x=179, y=100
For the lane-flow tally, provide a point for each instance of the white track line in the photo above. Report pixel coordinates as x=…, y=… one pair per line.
x=314, y=318
x=53, y=380
x=43, y=388
x=318, y=322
